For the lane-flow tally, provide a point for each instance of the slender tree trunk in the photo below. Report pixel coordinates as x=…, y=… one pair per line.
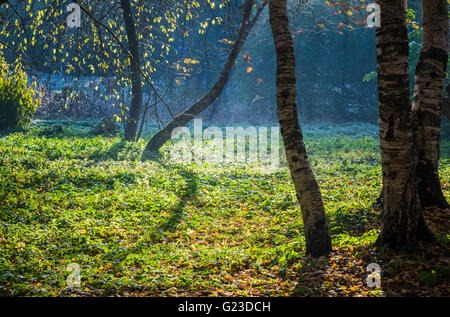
x=136, y=82
x=428, y=95
x=318, y=241
x=402, y=223
x=194, y=110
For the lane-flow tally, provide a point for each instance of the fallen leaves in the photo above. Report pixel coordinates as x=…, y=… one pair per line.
x=422, y=273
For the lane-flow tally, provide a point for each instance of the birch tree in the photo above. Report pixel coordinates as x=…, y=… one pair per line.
x=318, y=241
x=403, y=224
x=428, y=100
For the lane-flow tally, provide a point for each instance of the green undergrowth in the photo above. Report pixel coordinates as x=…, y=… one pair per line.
x=157, y=228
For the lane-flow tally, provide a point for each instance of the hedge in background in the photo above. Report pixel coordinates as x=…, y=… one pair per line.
x=18, y=102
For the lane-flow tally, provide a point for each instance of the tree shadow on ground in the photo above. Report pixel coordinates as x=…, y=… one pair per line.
x=115, y=149
x=312, y=277
x=190, y=192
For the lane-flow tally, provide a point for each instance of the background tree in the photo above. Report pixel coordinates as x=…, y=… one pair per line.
x=136, y=80
x=37, y=30
x=318, y=241
x=428, y=96
x=200, y=105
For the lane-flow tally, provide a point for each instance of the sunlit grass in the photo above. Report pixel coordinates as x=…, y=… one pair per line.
x=159, y=228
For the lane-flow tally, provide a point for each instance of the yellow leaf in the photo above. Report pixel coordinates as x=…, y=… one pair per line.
x=249, y=69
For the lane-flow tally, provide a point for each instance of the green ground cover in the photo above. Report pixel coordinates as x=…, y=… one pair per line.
x=156, y=228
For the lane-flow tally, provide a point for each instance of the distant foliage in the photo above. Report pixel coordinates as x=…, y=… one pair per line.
x=52, y=130
x=18, y=102
x=106, y=127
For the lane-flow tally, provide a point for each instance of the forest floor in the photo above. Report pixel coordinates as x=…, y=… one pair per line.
x=157, y=228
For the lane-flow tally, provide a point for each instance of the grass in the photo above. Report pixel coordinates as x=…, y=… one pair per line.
x=156, y=228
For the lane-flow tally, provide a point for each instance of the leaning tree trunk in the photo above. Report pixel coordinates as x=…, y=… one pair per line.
x=428, y=95
x=136, y=82
x=194, y=110
x=402, y=223
x=318, y=241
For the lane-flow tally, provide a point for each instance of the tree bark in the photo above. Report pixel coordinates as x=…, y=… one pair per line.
x=136, y=82
x=194, y=110
x=428, y=95
x=402, y=223
x=318, y=241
